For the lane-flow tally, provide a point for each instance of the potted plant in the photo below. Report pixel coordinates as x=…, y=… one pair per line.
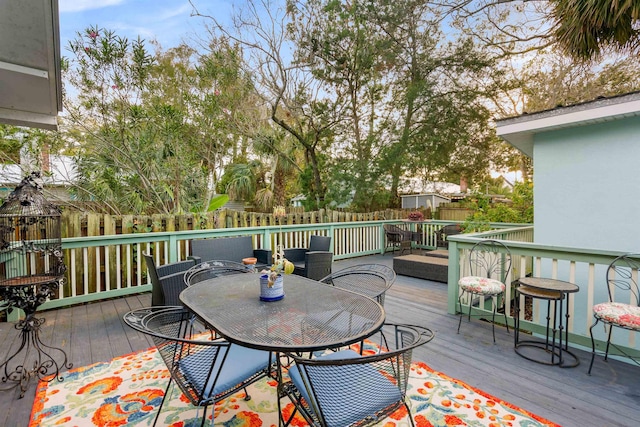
x=271, y=280
x=415, y=216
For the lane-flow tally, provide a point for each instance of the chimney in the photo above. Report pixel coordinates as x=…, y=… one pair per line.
x=46, y=161
x=463, y=184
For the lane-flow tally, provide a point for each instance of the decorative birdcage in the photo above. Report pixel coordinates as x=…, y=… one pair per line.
x=30, y=237
x=31, y=269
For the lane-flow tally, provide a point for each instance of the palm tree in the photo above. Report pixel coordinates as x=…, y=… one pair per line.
x=584, y=28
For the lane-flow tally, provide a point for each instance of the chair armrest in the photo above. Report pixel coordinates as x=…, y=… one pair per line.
x=295, y=254
x=263, y=256
x=196, y=259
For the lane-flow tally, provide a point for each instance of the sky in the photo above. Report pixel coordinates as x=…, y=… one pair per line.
x=167, y=21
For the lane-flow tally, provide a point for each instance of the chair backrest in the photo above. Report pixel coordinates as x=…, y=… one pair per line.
x=443, y=234
x=211, y=269
x=622, y=275
x=228, y=248
x=328, y=383
x=157, y=272
x=319, y=243
x=392, y=228
x=385, y=270
x=365, y=282
x=491, y=259
x=172, y=285
x=317, y=264
x=157, y=298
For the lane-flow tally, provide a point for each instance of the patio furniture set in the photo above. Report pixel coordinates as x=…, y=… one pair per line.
x=311, y=341
x=489, y=266
x=432, y=265
x=308, y=340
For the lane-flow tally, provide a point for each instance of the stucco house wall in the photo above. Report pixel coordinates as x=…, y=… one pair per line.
x=587, y=186
x=586, y=175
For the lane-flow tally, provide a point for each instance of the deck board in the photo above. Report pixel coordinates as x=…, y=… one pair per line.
x=94, y=332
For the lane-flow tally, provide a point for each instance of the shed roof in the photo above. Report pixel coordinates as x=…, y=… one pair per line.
x=519, y=131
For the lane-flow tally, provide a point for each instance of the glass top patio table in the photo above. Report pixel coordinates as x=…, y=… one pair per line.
x=312, y=316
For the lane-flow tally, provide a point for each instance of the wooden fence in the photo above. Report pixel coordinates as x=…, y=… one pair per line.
x=82, y=224
x=452, y=212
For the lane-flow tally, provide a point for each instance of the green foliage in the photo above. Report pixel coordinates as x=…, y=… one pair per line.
x=584, y=29
x=520, y=210
x=217, y=202
x=375, y=93
x=154, y=128
x=10, y=144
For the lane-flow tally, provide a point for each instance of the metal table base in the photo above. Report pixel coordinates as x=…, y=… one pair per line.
x=554, y=346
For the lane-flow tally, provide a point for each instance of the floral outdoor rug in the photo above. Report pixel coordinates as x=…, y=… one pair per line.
x=128, y=390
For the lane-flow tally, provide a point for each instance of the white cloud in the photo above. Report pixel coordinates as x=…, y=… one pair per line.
x=183, y=10
x=80, y=5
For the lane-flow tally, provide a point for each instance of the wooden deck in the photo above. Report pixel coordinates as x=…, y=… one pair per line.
x=610, y=397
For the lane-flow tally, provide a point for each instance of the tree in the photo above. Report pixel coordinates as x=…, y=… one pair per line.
x=585, y=29
x=152, y=130
x=344, y=53
x=128, y=148
x=293, y=100
x=439, y=85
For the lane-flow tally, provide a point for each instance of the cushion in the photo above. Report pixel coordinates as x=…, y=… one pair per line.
x=352, y=393
x=625, y=315
x=481, y=285
x=241, y=363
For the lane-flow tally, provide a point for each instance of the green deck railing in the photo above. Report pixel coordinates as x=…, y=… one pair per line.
x=584, y=267
x=112, y=266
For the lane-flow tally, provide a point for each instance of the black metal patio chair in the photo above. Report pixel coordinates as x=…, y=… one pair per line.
x=371, y=281
x=622, y=285
x=206, y=371
x=398, y=237
x=489, y=264
x=346, y=388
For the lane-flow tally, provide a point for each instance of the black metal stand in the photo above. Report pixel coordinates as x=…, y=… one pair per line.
x=554, y=348
x=33, y=358
x=30, y=366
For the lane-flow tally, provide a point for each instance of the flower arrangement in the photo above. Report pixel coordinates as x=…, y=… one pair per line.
x=280, y=266
x=415, y=216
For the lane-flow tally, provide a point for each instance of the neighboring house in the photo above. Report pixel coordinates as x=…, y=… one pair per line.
x=586, y=178
x=59, y=174
x=296, y=202
x=419, y=186
x=424, y=201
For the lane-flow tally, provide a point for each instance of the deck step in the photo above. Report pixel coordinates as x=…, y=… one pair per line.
x=440, y=253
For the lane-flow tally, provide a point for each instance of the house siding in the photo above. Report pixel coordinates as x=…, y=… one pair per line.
x=586, y=186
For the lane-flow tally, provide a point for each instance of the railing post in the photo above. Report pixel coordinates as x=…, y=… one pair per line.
x=267, y=239
x=453, y=277
x=173, y=248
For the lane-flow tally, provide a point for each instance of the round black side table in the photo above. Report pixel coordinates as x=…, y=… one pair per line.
x=21, y=365
x=555, y=345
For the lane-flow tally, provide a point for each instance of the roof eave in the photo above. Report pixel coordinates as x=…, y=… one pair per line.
x=519, y=131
